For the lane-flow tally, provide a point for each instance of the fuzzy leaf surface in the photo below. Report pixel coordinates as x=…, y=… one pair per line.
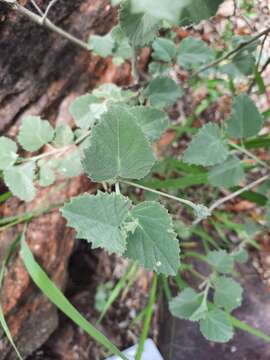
x=228, y=174
x=102, y=45
x=216, y=326
x=207, y=148
x=117, y=148
x=228, y=293
x=8, y=152
x=193, y=53
x=164, y=49
x=63, y=136
x=153, y=243
x=98, y=219
x=185, y=304
x=140, y=28
x=34, y=133
x=152, y=121
x=163, y=91
x=221, y=261
x=80, y=110
x=20, y=181
x=245, y=120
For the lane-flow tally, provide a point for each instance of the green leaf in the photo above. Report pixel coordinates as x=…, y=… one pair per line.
x=228, y=293
x=242, y=64
x=99, y=219
x=185, y=304
x=46, y=174
x=71, y=165
x=152, y=121
x=241, y=256
x=183, y=12
x=112, y=93
x=63, y=136
x=19, y=179
x=34, y=133
x=228, y=174
x=164, y=49
x=117, y=148
x=153, y=244
x=159, y=9
x=221, y=261
x=216, y=326
x=163, y=91
x=202, y=10
x=140, y=28
x=101, y=45
x=80, y=110
x=207, y=148
x=48, y=288
x=193, y=53
x=245, y=120
x=8, y=152
x=123, y=50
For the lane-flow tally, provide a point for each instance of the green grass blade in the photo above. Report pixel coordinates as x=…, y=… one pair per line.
x=4, y=264
x=41, y=279
x=5, y=196
x=148, y=318
x=7, y=332
x=117, y=289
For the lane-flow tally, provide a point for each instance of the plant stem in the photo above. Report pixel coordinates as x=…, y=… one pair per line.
x=249, y=154
x=43, y=21
x=183, y=201
x=117, y=188
x=240, y=47
x=238, y=192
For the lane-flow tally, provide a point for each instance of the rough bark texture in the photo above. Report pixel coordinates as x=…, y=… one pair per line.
x=41, y=73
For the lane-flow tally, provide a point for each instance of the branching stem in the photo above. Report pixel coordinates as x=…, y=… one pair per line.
x=43, y=21
x=181, y=200
x=240, y=47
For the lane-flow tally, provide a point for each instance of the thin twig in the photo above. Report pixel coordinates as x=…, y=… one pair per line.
x=51, y=4
x=240, y=47
x=37, y=7
x=46, y=23
x=183, y=201
x=238, y=192
x=250, y=155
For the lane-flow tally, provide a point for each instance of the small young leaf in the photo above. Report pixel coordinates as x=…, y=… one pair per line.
x=99, y=219
x=34, y=133
x=228, y=293
x=46, y=174
x=80, y=110
x=193, y=53
x=63, y=136
x=122, y=49
x=117, y=148
x=245, y=120
x=185, y=304
x=164, y=49
x=8, y=152
x=101, y=45
x=221, y=261
x=163, y=91
x=228, y=174
x=240, y=256
x=216, y=326
x=19, y=179
x=207, y=148
x=71, y=165
x=140, y=28
x=152, y=121
x=153, y=243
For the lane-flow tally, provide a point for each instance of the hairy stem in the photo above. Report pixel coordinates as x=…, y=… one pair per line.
x=238, y=192
x=43, y=21
x=250, y=155
x=182, y=201
x=240, y=47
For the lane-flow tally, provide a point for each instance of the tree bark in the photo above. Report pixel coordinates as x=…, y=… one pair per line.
x=41, y=73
